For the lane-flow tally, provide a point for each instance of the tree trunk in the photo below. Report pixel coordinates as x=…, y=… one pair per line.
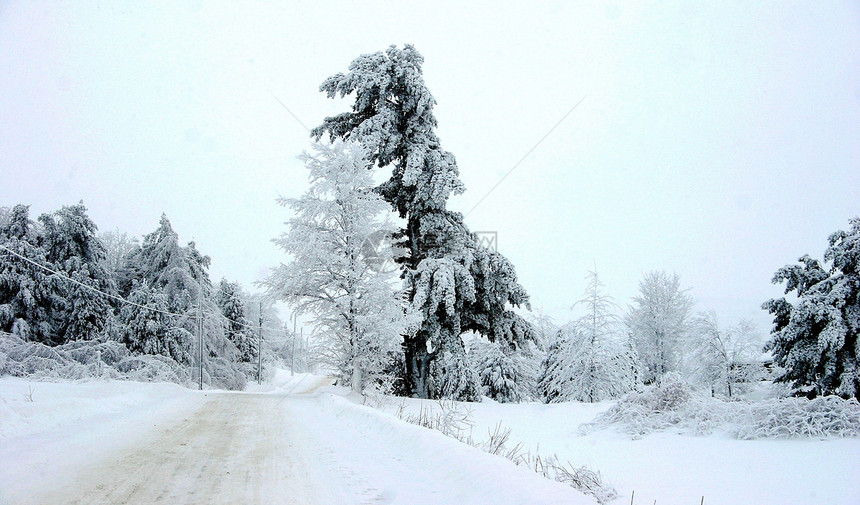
x=415, y=348
x=417, y=366
x=357, y=378
x=729, y=381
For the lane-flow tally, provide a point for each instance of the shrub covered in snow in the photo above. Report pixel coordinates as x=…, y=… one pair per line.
x=824, y=416
x=504, y=376
x=674, y=405
x=454, y=378
x=84, y=359
x=106, y=359
x=584, y=479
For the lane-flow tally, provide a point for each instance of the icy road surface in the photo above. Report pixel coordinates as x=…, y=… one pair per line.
x=292, y=446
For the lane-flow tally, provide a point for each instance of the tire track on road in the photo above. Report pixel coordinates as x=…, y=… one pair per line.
x=237, y=448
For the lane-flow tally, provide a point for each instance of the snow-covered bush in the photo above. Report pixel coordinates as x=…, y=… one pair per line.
x=674, y=405
x=150, y=368
x=83, y=360
x=454, y=378
x=452, y=418
x=107, y=359
x=672, y=394
x=503, y=376
x=584, y=479
x=639, y=414
x=824, y=416
x=223, y=373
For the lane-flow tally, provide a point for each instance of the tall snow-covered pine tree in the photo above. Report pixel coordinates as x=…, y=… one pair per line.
x=453, y=283
x=172, y=278
x=73, y=248
x=238, y=328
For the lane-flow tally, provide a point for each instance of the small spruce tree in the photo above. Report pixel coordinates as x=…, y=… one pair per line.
x=237, y=326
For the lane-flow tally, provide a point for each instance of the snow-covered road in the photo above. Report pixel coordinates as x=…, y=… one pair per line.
x=293, y=446
x=234, y=449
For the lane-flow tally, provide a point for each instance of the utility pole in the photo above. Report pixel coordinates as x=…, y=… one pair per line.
x=260, y=347
x=200, y=329
x=293, y=364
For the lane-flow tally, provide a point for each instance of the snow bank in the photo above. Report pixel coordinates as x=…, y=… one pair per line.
x=53, y=428
x=28, y=407
x=432, y=468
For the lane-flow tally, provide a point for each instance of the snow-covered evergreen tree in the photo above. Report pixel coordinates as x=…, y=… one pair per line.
x=504, y=375
x=358, y=316
x=237, y=327
x=545, y=334
x=453, y=375
x=25, y=289
x=154, y=331
x=815, y=340
x=455, y=284
x=73, y=248
x=588, y=362
x=659, y=323
x=179, y=272
x=549, y=388
x=172, y=277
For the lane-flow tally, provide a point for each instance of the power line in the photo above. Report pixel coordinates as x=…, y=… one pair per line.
x=290, y=112
x=526, y=155
x=81, y=284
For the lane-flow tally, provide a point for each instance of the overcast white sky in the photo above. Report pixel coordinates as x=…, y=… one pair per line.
x=719, y=140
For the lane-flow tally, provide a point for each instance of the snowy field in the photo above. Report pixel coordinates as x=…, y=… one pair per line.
x=677, y=469
x=298, y=440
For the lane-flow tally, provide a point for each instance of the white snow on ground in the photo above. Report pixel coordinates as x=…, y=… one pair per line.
x=67, y=426
x=296, y=439
x=289, y=441
x=677, y=469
